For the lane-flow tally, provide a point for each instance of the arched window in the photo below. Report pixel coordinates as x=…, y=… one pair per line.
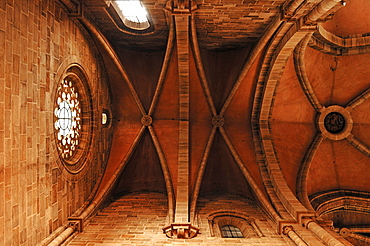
x=106, y=118
x=229, y=231
x=229, y=224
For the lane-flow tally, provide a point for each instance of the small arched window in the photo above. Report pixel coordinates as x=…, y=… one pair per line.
x=229, y=224
x=104, y=118
x=229, y=231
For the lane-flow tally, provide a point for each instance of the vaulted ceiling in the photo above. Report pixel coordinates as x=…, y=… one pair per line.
x=269, y=115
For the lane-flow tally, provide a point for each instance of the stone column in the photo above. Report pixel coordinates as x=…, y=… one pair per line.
x=322, y=233
x=289, y=231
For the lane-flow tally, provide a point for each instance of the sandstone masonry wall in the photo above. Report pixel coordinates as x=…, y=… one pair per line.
x=138, y=219
x=37, y=41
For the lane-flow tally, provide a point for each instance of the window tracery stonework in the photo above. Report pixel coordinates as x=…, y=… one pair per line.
x=68, y=119
x=72, y=120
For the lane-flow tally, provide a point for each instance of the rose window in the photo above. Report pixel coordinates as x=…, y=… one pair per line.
x=68, y=119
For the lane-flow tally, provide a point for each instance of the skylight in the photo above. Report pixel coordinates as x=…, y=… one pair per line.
x=133, y=10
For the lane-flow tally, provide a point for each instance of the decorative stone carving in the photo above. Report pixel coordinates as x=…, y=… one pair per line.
x=76, y=223
x=335, y=122
x=287, y=229
x=181, y=230
x=344, y=232
x=218, y=121
x=146, y=120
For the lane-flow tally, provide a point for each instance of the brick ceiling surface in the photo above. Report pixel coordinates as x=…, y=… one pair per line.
x=233, y=23
x=220, y=24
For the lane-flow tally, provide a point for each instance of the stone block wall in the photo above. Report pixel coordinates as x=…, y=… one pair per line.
x=138, y=219
x=37, y=42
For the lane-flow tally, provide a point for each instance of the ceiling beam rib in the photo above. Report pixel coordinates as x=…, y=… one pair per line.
x=200, y=174
x=112, y=54
x=260, y=126
x=276, y=65
x=182, y=196
x=321, y=9
x=293, y=7
x=166, y=63
x=358, y=100
x=351, y=139
x=359, y=237
x=181, y=227
x=304, y=168
x=258, y=47
x=250, y=180
x=166, y=174
x=329, y=43
x=351, y=41
x=200, y=67
x=106, y=187
x=286, y=39
x=338, y=200
x=300, y=69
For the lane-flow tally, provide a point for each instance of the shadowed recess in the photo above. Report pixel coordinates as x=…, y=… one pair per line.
x=222, y=174
x=143, y=170
x=222, y=69
x=200, y=121
x=126, y=122
x=143, y=69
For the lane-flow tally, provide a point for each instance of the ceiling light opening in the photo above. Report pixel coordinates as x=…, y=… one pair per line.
x=133, y=10
x=133, y=14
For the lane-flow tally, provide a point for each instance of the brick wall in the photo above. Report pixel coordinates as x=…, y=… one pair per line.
x=138, y=219
x=37, y=41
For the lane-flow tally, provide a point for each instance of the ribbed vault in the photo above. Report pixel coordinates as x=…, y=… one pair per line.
x=210, y=119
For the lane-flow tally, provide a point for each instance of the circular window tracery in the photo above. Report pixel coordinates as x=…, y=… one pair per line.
x=72, y=120
x=68, y=119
